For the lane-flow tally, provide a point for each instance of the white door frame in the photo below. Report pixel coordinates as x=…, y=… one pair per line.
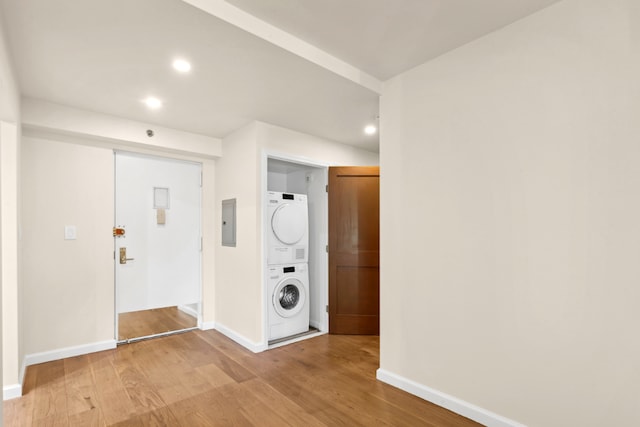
x=115, y=255
x=303, y=161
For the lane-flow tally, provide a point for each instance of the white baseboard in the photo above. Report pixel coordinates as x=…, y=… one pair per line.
x=14, y=390
x=188, y=310
x=444, y=400
x=23, y=370
x=11, y=391
x=205, y=326
x=62, y=353
x=243, y=341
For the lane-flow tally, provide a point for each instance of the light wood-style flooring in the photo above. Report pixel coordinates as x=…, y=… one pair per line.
x=201, y=378
x=136, y=324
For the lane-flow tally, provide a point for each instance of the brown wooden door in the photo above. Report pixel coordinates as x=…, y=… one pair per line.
x=354, y=250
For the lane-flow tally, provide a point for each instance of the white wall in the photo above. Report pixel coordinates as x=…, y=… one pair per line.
x=238, y=274
x=2, y=333
x=10, y=325
x=277, y=181
x=9, y=157
x=509, y=225
x=68, y=284
x=9, y=91
x=242, y=174
x=277, y=140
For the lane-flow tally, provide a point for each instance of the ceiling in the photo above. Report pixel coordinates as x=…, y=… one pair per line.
x=387, y=37
x=106, y=56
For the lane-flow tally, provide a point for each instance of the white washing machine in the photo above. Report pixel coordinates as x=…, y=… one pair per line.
x=288, y=300
x=287, y=229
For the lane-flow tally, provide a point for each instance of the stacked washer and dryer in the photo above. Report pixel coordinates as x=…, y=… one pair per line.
x=287, y=269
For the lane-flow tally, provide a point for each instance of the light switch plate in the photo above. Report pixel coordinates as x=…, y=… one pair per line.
x=69, y=232
x=161, y=216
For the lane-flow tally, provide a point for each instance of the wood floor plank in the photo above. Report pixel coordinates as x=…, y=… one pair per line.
x=168, y=374
x=113, y=400
x=116, y=406
x=215, y=407
x=354, y=394
x=81, y=393
x=335, y=417
x=215, y=376
x=229, y=366
x=255, y=411
x=201, y=378
x=50, y=397
x=57, y=420
x=160, y=417
x=19, y=412
x=296, y=415
x=140, y=390
x=91, y=418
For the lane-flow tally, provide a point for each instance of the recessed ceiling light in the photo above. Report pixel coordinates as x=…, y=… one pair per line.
x=153, y=103
x=182, y=65
x=370, y=129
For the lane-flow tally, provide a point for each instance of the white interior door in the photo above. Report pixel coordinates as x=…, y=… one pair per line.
x=163, y=254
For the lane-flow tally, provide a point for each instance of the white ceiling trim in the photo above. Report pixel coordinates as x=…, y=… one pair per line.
x=243, y=20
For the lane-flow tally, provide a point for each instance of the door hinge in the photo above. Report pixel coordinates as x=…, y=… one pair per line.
x=326, y=188
x=327, y=248
x=327, y=308
x=201, y=178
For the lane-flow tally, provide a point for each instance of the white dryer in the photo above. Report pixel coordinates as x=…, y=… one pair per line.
x=288, y=300
x=287, y=229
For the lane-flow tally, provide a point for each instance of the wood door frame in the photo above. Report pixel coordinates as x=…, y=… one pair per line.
x=116, y=151
x=302, y=161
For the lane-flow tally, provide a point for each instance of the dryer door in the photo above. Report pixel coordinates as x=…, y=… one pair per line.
x=289, y=297
x=289, y=223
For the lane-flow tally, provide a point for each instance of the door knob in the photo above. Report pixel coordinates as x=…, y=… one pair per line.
x=123, y=256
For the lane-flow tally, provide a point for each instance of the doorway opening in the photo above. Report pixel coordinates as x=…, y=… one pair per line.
x=299, y=177
x=158, y=245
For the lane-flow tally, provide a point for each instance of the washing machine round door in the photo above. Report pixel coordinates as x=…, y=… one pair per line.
x=289, y=223
x=289, y=297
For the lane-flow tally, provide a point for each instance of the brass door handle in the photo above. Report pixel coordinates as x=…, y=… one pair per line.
x=123, y=256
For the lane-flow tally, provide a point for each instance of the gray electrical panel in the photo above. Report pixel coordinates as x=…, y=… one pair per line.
x=229, y=222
